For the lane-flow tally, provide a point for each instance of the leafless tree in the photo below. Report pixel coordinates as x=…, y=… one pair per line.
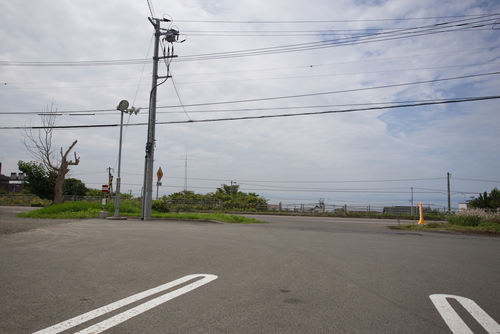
x=39, y=144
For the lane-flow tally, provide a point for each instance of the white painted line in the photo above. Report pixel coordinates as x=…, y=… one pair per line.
x=119, y=318
x=453, y=320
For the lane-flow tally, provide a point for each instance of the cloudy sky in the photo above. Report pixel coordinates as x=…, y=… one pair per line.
x=373, y=97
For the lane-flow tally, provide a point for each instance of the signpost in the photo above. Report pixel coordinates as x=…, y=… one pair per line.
x=159, y=175
x=105, y=190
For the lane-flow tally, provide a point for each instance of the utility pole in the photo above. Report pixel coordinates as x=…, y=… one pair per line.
x=233, y=188
x=449, y=201
x=171, y=35
x=185, y=174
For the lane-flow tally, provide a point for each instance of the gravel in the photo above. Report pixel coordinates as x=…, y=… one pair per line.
x=10, y=223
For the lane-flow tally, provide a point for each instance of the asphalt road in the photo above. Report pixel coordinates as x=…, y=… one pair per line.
x=293, y=275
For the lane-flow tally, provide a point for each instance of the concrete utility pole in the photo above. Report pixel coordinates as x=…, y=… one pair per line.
x=171, y=35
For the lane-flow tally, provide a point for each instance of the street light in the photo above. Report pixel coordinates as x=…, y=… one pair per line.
x=123, y=108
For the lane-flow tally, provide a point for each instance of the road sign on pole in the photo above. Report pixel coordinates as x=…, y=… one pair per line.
x=159, y=174
x=105, y=188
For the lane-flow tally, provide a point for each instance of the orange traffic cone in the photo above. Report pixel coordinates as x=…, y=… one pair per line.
x=421, y=221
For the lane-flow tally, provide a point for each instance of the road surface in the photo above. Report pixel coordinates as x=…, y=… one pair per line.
x=293, y=275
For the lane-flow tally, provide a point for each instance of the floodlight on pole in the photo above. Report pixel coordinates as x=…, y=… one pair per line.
x=123, y=108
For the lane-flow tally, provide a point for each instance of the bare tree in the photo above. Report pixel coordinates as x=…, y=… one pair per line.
x=40, y=146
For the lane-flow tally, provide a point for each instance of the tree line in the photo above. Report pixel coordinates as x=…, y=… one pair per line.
x=487, y=201
x=226, y=197
x=41, y=182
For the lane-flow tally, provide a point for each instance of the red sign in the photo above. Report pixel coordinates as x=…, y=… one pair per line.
x=105, y=188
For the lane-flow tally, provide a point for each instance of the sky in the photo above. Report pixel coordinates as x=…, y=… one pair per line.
x=364, y=103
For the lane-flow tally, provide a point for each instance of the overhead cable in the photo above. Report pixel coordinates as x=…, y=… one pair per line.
x=273, y=98
x=474, y=22
x=459, y=100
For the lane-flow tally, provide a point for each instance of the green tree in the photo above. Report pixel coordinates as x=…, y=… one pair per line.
x=229, y=196
x=39, y=181
x=232, y=198
x=228, y=189
x=485, y=201
x=74, y=187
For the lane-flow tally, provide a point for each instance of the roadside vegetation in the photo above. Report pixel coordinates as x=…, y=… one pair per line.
x=128, y=208
x=482, y=217
x=453, y=225
x=227, y=202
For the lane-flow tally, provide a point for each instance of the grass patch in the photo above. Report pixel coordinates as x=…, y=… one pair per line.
x=473, y=221
x=462, y=220
x=69, y=210
x=87, y=210
x=220, y=217
x=482, y=228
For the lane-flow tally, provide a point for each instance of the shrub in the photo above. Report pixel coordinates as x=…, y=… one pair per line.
x=160, y=206
x=464, y=220
x=473, y=217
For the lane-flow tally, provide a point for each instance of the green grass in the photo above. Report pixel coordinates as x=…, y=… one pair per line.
x=83, y=210
x=482, y=228
x=67, y=210
x=220, y=217
x=464, y=220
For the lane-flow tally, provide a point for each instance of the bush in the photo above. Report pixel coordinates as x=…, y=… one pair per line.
x=464, y=220
x=127, y=206
x=473, y=217
x=160, y=206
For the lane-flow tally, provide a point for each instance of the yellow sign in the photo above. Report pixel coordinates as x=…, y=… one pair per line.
x=159, y=174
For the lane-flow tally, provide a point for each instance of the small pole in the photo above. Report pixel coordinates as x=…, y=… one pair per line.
x=449, y=199
x=118, y=179
x=411, y=200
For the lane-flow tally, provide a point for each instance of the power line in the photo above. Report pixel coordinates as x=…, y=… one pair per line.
x=465, y=24
x=331, y=21
x=275, y=97
x=333, y=111
x=367, y=38
x=312, y=182
x=179, y=98
x=334, y=92
x=476, y=180
x=459, y=100
x=304, y=107
x=76, y=63
x=24, y=86
x=151, y=11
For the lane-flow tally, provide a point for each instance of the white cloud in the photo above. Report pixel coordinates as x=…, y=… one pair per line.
x=410, y=143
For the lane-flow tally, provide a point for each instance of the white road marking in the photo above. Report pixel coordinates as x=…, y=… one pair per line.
x=121, y=317
x=453, y=320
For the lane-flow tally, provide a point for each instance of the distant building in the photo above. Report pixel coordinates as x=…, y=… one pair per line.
x=463, y=206
x=12, y=184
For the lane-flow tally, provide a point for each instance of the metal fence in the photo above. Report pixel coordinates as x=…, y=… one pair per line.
x=207, y=204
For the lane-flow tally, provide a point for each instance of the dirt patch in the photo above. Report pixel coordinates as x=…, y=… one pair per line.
x=10, y=223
